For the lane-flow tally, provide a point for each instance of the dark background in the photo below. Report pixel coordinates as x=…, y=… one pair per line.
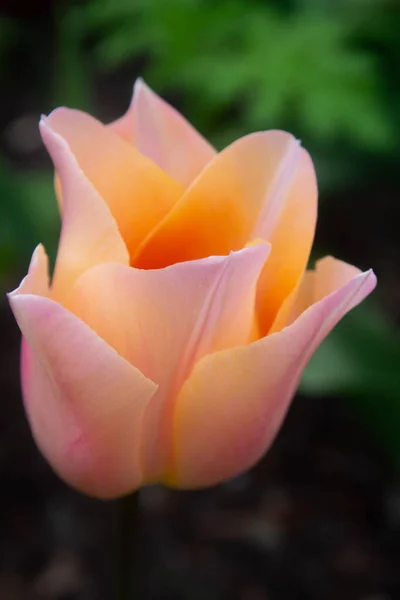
x=319, y=517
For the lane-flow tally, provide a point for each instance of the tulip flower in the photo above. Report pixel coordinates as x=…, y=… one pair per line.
x=180, y=315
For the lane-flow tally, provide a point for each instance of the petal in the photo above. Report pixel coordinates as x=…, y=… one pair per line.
x=89, y=233
x=231, y=407
x=329, y=274
x=84, y=402
x=37, y=279
x=162, y=321
x=137, y=192
x=291, y=240
x=221, y=209
x=160, y=132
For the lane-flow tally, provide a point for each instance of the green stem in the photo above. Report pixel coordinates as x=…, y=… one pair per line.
x=127, y=547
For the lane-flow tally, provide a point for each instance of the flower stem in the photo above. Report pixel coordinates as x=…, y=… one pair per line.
x=127, y=547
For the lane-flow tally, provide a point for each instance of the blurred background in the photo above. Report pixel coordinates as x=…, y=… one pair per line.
x=319, y=517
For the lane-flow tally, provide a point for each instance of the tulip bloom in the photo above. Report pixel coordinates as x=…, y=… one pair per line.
x=180, y=315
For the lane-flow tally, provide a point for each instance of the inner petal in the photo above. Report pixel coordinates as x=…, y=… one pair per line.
x=291, y=241
x=138, y=193
x=221, y=209
x=160, y=132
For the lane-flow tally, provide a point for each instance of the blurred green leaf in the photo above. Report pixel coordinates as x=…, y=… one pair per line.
x=29, y=215
x=274, y=69
x=38, y=196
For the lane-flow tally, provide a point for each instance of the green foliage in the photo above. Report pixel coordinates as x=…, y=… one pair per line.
x=29, y=215
x=272, y=69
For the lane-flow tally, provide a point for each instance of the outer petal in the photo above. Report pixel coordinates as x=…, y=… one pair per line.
x=89, y=234
x=291, y=239
x=137, y=192
x=84, y=401
x=233, y=404
x=164, y=135
x=222, y=208
x=164, y=320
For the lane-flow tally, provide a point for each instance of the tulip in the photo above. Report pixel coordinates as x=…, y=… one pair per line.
x=180, y=315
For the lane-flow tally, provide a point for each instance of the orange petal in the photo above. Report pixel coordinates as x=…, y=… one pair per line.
x=137, y=192
x=162, y=321
x=89, y=233
x=233, y=404
x=291, y=240
x=222, y=208
x=160, y=132
x=84, y=401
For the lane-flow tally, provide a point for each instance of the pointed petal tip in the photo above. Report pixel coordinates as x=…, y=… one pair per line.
x=140, y=84
x=371, y=278
x=142, y=92
x=43, y=124
x=51, y=138
x=37, y=278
